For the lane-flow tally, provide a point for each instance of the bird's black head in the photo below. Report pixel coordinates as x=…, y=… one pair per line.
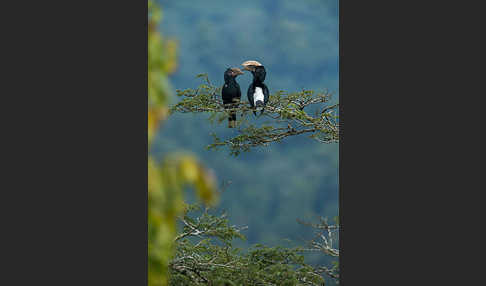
x=256, y=68
x=233, y=72
x=259, y=73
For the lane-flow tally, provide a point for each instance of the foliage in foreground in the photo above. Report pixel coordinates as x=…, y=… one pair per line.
x=166, y=176
x=205, y=255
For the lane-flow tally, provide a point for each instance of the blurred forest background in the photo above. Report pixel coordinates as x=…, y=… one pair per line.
x=297, y=41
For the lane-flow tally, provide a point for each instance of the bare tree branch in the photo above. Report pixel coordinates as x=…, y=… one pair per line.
x=324, y=242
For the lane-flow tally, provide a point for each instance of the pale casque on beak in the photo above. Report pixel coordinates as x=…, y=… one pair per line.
x=250, y=65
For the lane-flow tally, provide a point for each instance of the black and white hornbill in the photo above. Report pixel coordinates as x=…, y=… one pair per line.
x=257, y=91
x=231, y=93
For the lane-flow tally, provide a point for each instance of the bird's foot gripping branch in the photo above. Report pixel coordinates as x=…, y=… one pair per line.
x=286, y=114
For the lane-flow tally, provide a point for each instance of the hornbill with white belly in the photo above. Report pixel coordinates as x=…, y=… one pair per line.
x=231, y=93
x=257, y=91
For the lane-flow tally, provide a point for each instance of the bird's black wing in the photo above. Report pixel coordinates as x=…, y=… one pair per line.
x=231, y=94
x=266, y=94
x=251, y=91
x=236, y=100
x=226, y=94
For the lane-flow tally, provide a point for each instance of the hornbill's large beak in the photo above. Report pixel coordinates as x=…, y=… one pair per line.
x=237, y=71
x=250, y=65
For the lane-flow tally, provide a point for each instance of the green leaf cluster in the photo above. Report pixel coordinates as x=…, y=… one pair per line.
x=205, y=256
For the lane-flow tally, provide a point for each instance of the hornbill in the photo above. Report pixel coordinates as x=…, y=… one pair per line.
x=231, y=93
x=257, y=91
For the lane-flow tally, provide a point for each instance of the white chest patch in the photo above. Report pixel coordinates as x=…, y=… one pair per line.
x=258, y=95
